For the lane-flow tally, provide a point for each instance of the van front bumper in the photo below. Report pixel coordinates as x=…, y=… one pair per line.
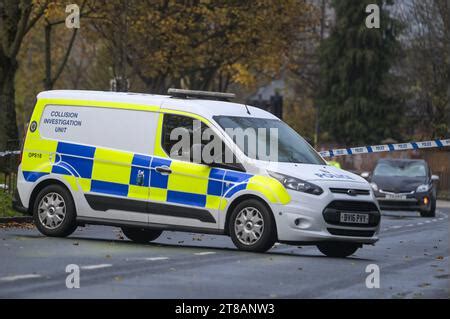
x=308, y=222
x=414, y=201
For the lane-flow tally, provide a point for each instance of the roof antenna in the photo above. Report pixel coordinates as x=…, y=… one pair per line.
x=248, y=111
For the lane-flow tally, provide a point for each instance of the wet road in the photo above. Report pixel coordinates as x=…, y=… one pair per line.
x=412, y=255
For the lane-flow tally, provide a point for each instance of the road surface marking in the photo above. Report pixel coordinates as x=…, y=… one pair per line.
x=18, y=277
x=427, y=221
x=156, y=258
x=410, y=225
x=146, y=258
x=205, y=253
x=435, y=220
x=89, y=267
x=396, y=227
x=419, y=223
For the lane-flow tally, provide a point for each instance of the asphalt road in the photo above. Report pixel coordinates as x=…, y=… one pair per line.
x=412, y=255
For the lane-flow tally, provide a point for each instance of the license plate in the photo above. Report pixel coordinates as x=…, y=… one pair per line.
x=354, y=218
x=395, y=196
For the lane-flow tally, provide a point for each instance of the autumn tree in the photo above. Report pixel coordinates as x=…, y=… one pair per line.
x=200, y=44
x=16, y=20
x=55, y=16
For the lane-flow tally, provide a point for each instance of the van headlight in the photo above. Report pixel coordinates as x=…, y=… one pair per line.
x=374, y=187
x=296, y=184
x=423, y=188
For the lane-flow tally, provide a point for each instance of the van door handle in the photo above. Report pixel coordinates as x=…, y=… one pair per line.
x=163, y=170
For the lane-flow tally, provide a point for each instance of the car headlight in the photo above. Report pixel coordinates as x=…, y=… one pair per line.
x=374, y=187
x=296, y=184
x=423, y=188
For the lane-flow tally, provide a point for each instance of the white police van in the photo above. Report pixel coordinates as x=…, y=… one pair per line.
x=112, y=159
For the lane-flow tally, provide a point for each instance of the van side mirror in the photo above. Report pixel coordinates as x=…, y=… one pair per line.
x=434, y=178
x=365, y=174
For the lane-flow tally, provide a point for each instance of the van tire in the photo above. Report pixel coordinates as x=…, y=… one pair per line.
x=141, y=235
x=259, y=213
x=338, y=250
x=63, y=200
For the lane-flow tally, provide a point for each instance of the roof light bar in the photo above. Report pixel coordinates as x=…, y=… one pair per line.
x=200, y=94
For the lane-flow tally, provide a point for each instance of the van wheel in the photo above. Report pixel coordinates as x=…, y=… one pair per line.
x=54, y=211
x=141, y=235
x=339, y=250
x=252, y=227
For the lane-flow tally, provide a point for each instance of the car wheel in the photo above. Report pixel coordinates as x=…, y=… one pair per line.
x=339, y=250
x=252, y=227
x=54, y=211
x=141, y=235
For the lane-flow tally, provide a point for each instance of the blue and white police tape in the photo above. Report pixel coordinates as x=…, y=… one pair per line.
x=385, y=148
x=4, y=153
x=357, y=150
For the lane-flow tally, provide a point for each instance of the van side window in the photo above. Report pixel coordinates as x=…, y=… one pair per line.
x=178, y=125
x=187, y=126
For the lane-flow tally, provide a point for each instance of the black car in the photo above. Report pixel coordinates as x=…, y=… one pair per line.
x=404, y=184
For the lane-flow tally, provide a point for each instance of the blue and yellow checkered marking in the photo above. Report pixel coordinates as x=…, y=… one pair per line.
x=109, y=188
x=116, y=173
x=140, y=163
x=228, y=183
x=184, y=198
x=156, y=179
x=33, y=176
x=74, y=159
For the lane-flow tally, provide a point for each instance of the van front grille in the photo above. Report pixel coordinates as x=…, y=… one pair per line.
x=332, y=213
x=350, y=191
x=352, y=205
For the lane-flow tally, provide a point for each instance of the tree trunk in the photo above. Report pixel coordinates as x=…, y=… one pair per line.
x=48, y=83
x=9, y=134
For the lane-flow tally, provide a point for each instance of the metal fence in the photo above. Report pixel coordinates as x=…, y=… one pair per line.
x=8, y=172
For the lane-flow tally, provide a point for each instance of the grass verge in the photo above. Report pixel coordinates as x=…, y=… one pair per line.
x=6, y=209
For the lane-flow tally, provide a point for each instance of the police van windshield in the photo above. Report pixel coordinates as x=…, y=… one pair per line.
x=292, y=148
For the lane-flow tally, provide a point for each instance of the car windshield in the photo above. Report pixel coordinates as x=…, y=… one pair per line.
x=400, y=169
x=292, y=148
